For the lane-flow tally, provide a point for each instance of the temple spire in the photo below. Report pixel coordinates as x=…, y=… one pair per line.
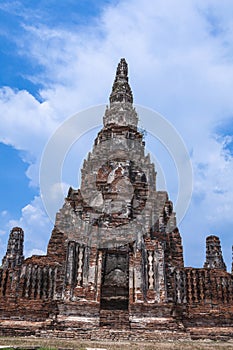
x=121, y=91
x=121, y=111
x=214, y=258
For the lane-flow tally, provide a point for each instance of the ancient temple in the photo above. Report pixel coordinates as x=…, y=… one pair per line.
x=114, y=264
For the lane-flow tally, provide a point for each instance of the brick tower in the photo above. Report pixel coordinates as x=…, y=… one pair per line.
x=115, y=257
x=14, y=254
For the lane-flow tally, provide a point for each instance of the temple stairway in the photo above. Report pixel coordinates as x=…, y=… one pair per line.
x=114, y=319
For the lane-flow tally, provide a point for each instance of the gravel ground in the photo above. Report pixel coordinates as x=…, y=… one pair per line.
x=62, y=344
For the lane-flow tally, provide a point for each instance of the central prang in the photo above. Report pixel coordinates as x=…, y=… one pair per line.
x=115, y=256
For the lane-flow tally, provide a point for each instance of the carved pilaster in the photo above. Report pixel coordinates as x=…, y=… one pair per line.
x=138, y=277
x=99, y=275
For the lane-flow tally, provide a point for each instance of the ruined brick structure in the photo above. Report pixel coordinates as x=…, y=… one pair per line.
x=114, y=264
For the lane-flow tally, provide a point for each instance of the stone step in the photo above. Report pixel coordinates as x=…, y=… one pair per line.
x=114, y=319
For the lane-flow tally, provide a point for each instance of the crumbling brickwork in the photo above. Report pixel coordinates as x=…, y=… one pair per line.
x=114, y=265
x=214, y=258
x=14, y=254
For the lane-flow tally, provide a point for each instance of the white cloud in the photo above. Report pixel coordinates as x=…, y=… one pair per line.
x=26, y=123
x=56, y=187
x=36, y=225
x=36, y=252
x=180, y=63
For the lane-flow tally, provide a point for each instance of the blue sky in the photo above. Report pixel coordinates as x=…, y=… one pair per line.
x=58, y=58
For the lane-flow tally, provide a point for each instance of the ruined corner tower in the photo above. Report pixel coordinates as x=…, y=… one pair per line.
x=115, y=257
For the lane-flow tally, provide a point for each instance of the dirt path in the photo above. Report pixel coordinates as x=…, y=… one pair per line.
x=52, y=344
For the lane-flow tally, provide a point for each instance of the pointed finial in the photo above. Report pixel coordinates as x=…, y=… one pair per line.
x=121, y=91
